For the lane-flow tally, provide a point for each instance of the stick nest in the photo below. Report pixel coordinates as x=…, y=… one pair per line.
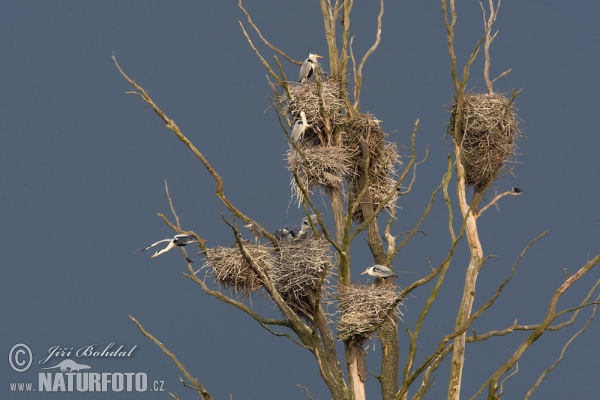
x=232, y=270
x=363, y=134
x=363, y=308
x=300, y=272
x=487, y=135
x=379, y=189
x=305, y=97
x=320, y=166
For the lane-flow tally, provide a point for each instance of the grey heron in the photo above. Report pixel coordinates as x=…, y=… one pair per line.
x=255, y=231
x=244, y=241
x=177, y=241
x=380, y=271
x=299, y=128
x=282, y=234
x=309, y=68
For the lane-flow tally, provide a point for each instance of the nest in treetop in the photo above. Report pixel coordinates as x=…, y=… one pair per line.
x=320, y=166
x=232, y=270
x=487, y=135
x=363, y=308
x=300, y=271
x=305, y=97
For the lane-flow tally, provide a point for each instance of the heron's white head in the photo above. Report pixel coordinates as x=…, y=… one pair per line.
x=303, y=116
x=313, y=57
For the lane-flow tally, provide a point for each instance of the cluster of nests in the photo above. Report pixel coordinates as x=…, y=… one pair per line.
x=299, y=270
x=364, y=308
x=338, y=145
x=487, y=135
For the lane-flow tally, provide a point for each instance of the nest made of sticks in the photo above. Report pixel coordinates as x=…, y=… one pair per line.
x=363, y=308
x=487, y=135
x=379, y=189
x=364, y=127
x=305, y=97
x=383, y=174
x=300, y=272
x=232, y=270
x=319, y=167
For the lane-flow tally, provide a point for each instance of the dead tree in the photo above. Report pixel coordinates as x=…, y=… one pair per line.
x=345, y=154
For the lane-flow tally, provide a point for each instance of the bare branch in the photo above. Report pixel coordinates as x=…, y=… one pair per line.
x=262, y=60
x=495, y=200
x=269, y=45
x=197, y=385
x=358, y=77
x=564, y=348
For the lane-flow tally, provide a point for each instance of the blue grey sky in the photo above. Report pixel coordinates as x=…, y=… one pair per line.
x=83, y=170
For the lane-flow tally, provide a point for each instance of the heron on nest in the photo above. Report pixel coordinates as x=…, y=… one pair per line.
x=282, y=234
x=308, y=69
x=244, y=241
x=380, y=271
x=255, y=231
x=299, y=128
x=177, y=241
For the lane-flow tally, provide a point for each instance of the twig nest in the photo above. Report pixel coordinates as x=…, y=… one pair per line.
x=232, y=270
x=363, y=308
x=305, y=97
x=300, y=272
x=364, y=127
x=319, y=167
x=379, y=189
x=364, y=138
x=487, y=135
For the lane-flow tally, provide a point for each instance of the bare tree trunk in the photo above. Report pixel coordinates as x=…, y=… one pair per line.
x=466, y=305
x=356, y=367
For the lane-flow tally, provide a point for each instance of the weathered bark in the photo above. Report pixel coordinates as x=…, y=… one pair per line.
x=356, y=367
x=466, y=305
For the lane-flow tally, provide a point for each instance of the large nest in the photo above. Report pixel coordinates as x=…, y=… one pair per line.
x=301, y=271
x=487, y=135
x=319, y=167
x=363, y=308
x=232, y=270
x=305, y=97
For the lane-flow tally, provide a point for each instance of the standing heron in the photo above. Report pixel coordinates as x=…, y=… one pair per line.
x=177, y=241
x=309, y=68
x=299, y=128
x=255, y=231
x=380, y=271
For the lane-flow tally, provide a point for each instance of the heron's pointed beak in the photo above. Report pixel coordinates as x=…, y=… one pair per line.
x=366, y=270
x=318, y=56
x=154, y=255
x=247, y=226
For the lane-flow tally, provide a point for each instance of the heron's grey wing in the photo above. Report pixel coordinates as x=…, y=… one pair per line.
x=184, y=239
x=382, y=269
x=153, y=244
x=304, y=70
x=297, y=131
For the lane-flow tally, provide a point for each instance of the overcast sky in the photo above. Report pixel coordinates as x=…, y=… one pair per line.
x=83, y=170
